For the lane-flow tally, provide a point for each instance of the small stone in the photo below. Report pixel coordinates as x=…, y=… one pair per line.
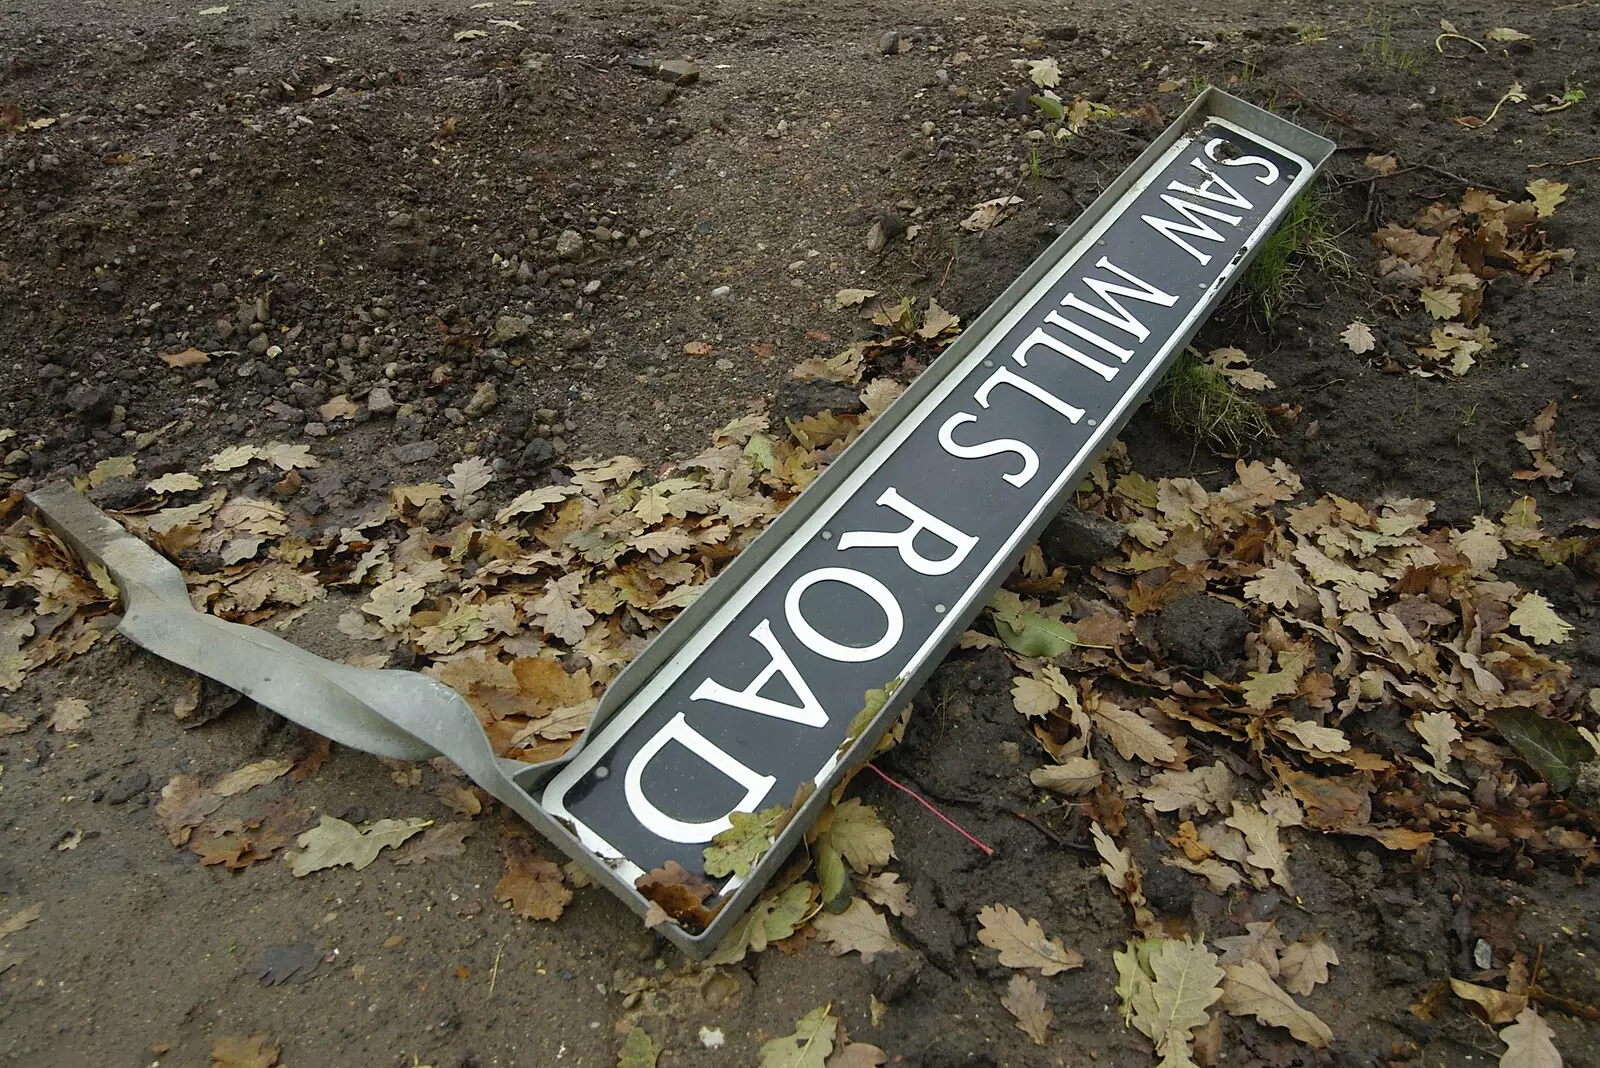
x=399, y=221
x=591, y=287
x=722, y=292
x=93, y=403
x=1078, y=538
x=258, y=345
x=416, y=452
x=316, y=430
x=128, y=788
x=380, y=401
x=569, y=244
x=509, y=328
x=484, y=398
x=678, y=72
x=889, y=43
x=526, y=272
x=644, y=64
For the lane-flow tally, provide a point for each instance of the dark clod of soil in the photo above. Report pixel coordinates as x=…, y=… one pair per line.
x=1078, y=539
x=1202, y=632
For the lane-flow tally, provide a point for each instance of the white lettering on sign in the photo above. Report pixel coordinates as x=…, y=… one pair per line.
x=1110, y=291
x=1039, y=337
x=809, y=712
x=756, y=786
x=1215, y=144
x=997, y=447
x=1004, y=376
x=1196, y=228
x=905, y=540
x=811, y=638
x=1205, y=189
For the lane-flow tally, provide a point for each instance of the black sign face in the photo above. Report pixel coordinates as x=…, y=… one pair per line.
x=880, y=579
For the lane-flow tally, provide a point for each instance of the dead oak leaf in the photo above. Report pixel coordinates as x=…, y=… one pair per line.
x=1303, y=965
x=333, y=842
x=531, y=884
x=1248, y=990
x=244, y=1051
x=437, y=843
x=1132, y=734
x=1546, y=195
x=1195, y=792
x=747, y=839
x=1441, y=303
x=1024, y=1001
x=1260, y=832
x=1496, y=1006
x=189, y=357
x=184, y=805
x=859, y=835
x=887, y=890
x=1022, y=942
x=1358, y=338
x=1167, y=986
x=250, y=776
x=1537, y=620
x=15, y=922
x=1529, y=1043
x=859, y=928
x=69, y=714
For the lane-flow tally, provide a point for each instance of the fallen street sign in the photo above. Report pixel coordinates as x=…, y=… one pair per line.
x=755, y=697
x=870, y=577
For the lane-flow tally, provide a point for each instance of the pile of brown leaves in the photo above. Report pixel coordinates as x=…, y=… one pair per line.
x=1450, y=255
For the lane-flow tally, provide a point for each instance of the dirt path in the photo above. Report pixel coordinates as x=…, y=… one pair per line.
x=407, y=236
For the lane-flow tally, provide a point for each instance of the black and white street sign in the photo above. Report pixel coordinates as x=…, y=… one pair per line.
x=876, y=570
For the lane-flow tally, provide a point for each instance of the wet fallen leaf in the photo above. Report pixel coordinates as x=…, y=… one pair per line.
x=184, y=805
x=1024, y=1001
x=437, y=843
x=1260, y=832
x=1546, y=196
x=774, y=916
x=1022, y=942
x=69, y=714
x=1536, y=618
x=15, y=922
x=1073, y=777
x=531, y=884
x=639, y=1050
x=240, y=1051
x=1529, y=1043
x=808, y=1047
x=1496, y=1006
x=1505, y=35
x=887, y=890
x=990, y=213
x=190, y=357
x=333, y=842
x=680, y=893
x=1358, y=338
x=1553, y=747
x=1381, y=165
x=1248, y=990
x=1167, y=987
x=1303, y=965
x=250, y=776
x=735, y=850
x=859, y=836
x=859, y=929
x=1045, y=73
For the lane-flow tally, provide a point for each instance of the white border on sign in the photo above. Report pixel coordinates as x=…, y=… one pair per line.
x=553, y=799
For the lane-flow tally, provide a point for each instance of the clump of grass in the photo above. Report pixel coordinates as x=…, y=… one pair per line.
x=1304, y=241
x=1385, y=51
x=1311, y=34
x=1195, y=400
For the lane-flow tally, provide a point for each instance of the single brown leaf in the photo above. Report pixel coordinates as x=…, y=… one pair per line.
x=1247, y=990
x=679, y=893
x=437, y=843
x=531, y=884
x=1022, y=942
x=189, y=357
x=183, y=806
x=1024, y=1001
x=240, y=1051
x=1496, y=1006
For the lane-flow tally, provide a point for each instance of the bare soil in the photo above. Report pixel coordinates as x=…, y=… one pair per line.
x=372, y=197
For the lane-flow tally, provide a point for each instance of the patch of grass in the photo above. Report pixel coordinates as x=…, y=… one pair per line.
x=1195, y=400
x=1311, y=34
x=1304, y=241
x=1385, y=51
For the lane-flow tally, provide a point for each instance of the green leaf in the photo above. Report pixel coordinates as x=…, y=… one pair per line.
x=1553, y=747
x=860, y=837
x=736, y=850
x=1050, y=106
x=772, y=918
x=873, y=702
x=831, y=876
x=808, y=1047
x=639, y=1050
x=1036, y=635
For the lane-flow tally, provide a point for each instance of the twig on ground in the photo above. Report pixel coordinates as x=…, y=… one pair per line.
x=1569, y=163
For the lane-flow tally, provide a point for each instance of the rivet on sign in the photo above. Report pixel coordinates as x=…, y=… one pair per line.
x=1094, y=422
x=988, y=363
x=602, y=772
x=939, y=608
x=827, y=535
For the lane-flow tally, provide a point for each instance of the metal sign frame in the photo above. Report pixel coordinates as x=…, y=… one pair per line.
x=408, y=715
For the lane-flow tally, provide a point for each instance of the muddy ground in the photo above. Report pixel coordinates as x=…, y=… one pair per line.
x=343, y=199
